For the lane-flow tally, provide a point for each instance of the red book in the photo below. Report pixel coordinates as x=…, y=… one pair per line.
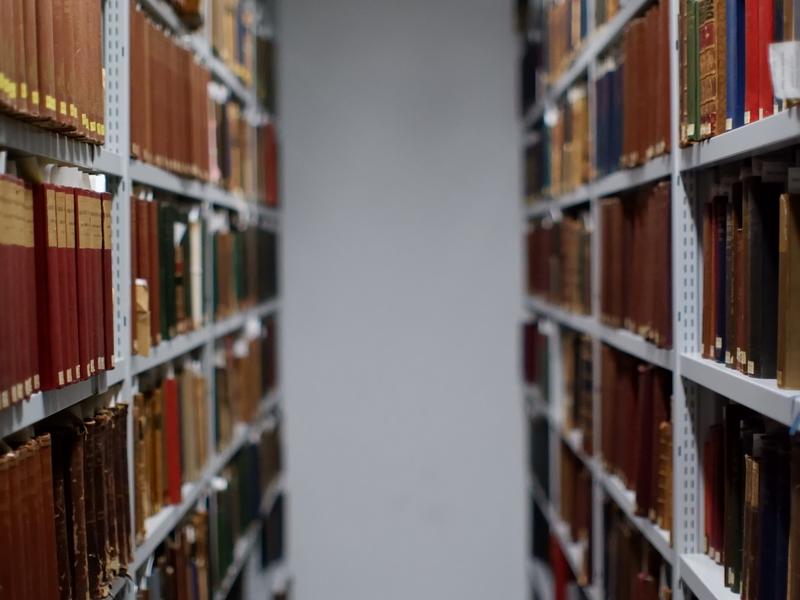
x=48, y=313
x=172, y=431
x=5, y=298
x=752, y=62
x=32, y=382
x=77, y=339
x=108, y=284
x=82, y=244
x=67, y=366
x=766, y=16
x=16, y=312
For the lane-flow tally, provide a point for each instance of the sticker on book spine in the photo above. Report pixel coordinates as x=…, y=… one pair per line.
x=35, y=97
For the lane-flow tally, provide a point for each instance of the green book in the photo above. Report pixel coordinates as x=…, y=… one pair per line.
x=693, y=71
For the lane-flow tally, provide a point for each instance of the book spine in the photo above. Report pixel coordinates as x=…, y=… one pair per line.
x=80, y=202
x=108, y=285
x=752, y=62
x=30, y=88
x=766, y=27
x=172, y=420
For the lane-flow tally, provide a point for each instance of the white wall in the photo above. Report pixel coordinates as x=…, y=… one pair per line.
x=401, y=300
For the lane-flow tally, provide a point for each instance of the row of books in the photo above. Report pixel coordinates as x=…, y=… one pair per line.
x=169, y=101
x=751, y=246
x=196, y=557
x=535, y=356
x=633, y=107
x=56, y=321
x=635, y=286
x=575, y=506
x=51, y=66
x=539, y=451
x=168, y=273
x=567, y=27
x=171, y=444
x=568, y=140
x=751, y=476
x=725, y=74
x=244, y=263
x=64, y=516
x=636, y=396
x=181, y=569
x=167, y=247
x=238, y=505
x=633, y=569
x=559, y=261
x=232, y=36
x=245, y=371
x=576, y=364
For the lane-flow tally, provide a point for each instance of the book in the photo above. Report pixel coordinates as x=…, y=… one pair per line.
x=635, y=271
x=559, y=260
x=636, y=392
x=788, y=335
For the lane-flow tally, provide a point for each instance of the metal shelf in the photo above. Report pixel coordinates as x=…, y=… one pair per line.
x=621, y=339
x=777, y=130
x=45, y=404
x=626, y=500
x=592, y=48
x=625, y=179
x=182, y=344
x=762, y=395
x=28, y=139
x=705, y=578
x=637, y=346
x=578, y=196
x=152, y=176
x=159, y=526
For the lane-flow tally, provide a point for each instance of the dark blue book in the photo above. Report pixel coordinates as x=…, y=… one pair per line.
x=738, y=35
x=584, y=19
x=774, y=517
x=617, y=76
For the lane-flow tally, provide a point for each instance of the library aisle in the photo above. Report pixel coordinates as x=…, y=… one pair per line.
x=660, y=354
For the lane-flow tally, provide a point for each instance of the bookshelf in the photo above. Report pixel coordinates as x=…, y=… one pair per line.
x=19, y=138
x=692, y=573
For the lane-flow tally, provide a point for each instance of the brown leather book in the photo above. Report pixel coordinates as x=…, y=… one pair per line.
x=48, y=550
x=94, y=514
x=140, y=456
x=665, y=475
x=20, y=85
x=751, y=530
x=19, y=525
x=158, y=473
x=137, y=98
x=788, y=367
x=145, y=90
x=34, y=505
x=709, y=317
x=123, y=487
x=108, y=465
x=29, y=89
x=60, y=462
x=741, y=280
x=644, y=454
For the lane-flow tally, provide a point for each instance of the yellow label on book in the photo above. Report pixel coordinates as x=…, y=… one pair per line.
x=92, y=126
x=12, y=90
x=746, y=117
x=728, y=124
x=63, y=108
x=36, y=383
x=101, y=129
x=101, y=363
x=718, y=342
x=73, y=111
x=35, y=97
x=690, y=129
x=50, y=103
x=23, y=90
x=85, y=121
x=61, y=378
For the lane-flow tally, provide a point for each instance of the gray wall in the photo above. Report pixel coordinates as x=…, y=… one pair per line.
x=402, y=298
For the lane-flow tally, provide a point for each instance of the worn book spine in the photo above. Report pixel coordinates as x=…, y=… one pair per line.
x=752, y=62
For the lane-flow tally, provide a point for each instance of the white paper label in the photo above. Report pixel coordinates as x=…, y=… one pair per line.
x=784, y=65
